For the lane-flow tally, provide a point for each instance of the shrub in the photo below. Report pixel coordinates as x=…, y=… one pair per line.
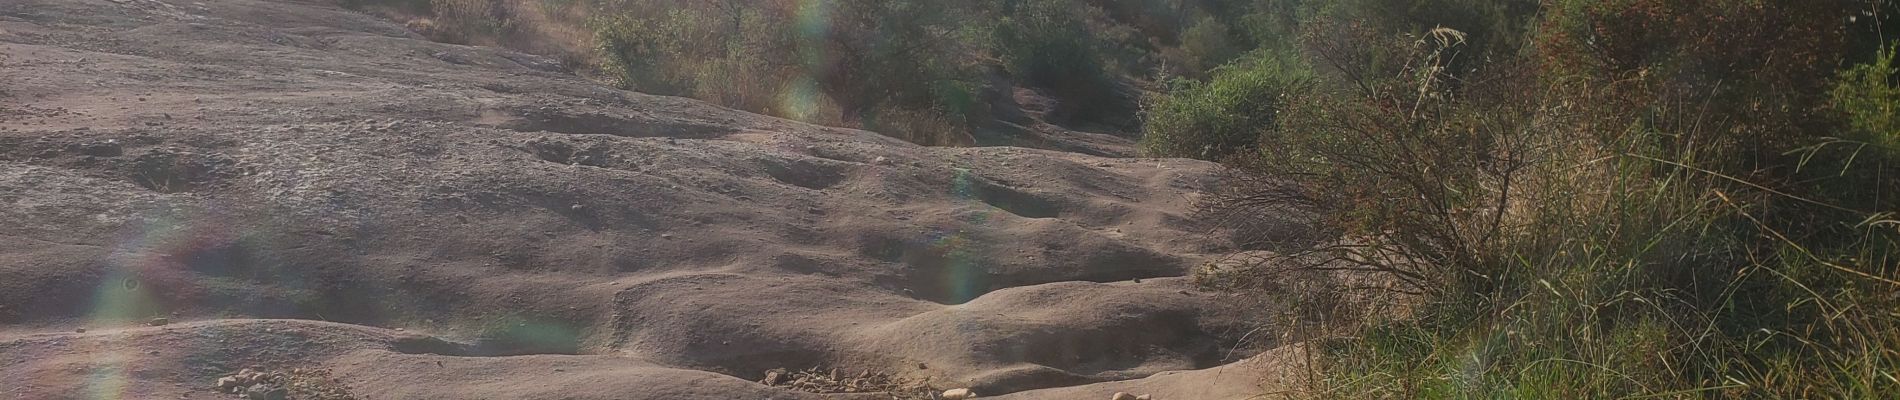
x=1709, y=56
x=1419, y=178
x=837, y=62
x=1225, y=116
x=1048, y=44
x=856, y=63
x=1206, y=45
x=1583, y=224
x=1868, y=97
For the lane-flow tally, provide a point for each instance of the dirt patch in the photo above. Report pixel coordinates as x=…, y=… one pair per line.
x=171, y=171
x=506, y=339
x=582, y=120
x=835, y=380
x=805, y=173
x=625, y=245
x=1014, y=201
x=562, y=152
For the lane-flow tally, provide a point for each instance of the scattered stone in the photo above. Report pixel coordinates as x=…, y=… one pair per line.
x=833, y=380
x=880, y=160
x=263, y=391
x=958, y=394
x=772, y=377
x=160, y=321
x=1144, y=397
x=300, y=383
x=80, y=330
x=1122, y=396
x=227, y=384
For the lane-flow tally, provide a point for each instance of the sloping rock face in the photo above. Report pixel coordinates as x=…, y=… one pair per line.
x=295, y=185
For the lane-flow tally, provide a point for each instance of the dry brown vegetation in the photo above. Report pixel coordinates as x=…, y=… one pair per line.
x=1653, y=198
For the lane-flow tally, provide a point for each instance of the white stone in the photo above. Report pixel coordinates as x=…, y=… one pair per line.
x=225, y=384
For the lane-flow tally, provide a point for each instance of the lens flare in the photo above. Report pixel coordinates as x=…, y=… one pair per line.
x=127, y=293
x=963, y=272
x=801, y=98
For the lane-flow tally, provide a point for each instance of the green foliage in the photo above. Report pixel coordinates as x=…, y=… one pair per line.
x=867, y=64
x=469, y=21
x=1226, y=115
x=1494, y=29
x=858, y=63
x=1766, y=83
x=864, y=63
x=638, y=50
x=1048, y=44
x=1869, y=97
x=1207, y=45
x=1273, y=24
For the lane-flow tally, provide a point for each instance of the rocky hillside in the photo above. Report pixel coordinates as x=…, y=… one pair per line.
x=189, y=188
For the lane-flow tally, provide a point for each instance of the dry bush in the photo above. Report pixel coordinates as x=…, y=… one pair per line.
x=921, y=127
x=1418, y=176
x=892, y=67
x=1606, y=226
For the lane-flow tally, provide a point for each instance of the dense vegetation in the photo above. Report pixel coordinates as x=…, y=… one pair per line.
x=933, y=72
x=1545, y=198
x=1573, y=199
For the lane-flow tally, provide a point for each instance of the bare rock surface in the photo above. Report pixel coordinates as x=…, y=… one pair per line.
x=286, y=184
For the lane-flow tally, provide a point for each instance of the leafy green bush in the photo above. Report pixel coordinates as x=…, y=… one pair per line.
x=1048, y=44
x=1207, y=45
x=1869, y=97
x=1226, y=115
